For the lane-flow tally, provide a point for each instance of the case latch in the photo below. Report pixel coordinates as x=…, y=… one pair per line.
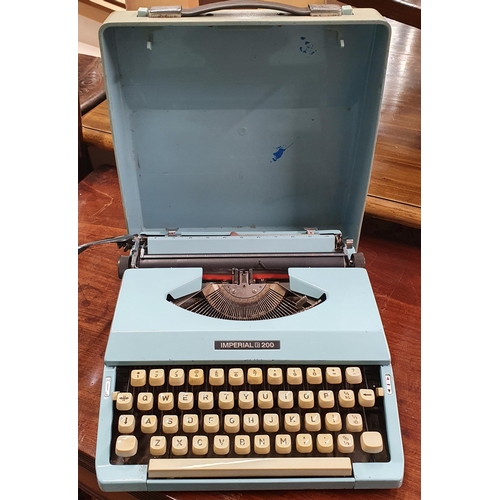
x=164, y=11
x=325, y=10
x=330, y=10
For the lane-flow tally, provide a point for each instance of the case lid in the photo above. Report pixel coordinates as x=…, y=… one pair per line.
x=244, y=120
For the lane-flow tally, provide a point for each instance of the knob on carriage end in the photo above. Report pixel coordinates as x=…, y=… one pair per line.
x=358, y=259
x=142, y=12
x=123, y=265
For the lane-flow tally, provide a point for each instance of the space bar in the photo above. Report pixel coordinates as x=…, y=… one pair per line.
x=249, y=467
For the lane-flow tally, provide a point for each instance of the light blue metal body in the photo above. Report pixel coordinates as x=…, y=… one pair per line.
x=259, y=125
x=147, y=329
x=244, y=242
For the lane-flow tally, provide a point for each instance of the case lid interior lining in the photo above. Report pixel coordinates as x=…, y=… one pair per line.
x=256, y=126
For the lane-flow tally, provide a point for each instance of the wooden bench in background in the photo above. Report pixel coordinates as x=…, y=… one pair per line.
x=91, y=93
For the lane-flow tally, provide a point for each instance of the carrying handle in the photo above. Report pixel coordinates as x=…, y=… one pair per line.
x=311, y=10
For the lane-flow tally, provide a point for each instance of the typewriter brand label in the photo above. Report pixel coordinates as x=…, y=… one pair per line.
x=247, y=344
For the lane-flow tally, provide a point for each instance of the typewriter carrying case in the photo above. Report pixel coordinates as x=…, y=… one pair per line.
x=243, y=129
x=255, y=120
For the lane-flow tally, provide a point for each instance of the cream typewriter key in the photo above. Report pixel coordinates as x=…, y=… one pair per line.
x=254, y=376
x=324, y=443
x=196, y=376
x=271, y=422
x=179, y=445
x=346, y=398
x=283, y=444
x=345, y=443
x=333, y=375
x=261, y=444
x=211, y=423
x=304, y=443
x=126, y=446
x=165, y=401
x=200, y=445
x=149, y=424
x=157, y=377
x=205, y=400
x=145, y=401
x=185, y=401
x=138, y=378
x=124, y=401
x=312, y=422
x=250, y=422
x=226, y=400
x=190, y=423
x=294, y=376
x=292, y=422
x=221, y=445
x=285, y=399
x=306, y=399
x=274, y=376
x=354, y=422
x=353, y=375
x=242, y=445
x=326, y=399
x=158, y=445
x=245, y=400
x=366, y=398
x=314, y=376
x=170, y=424
x=176, y=377
x=126, y=424
x=371, y=442
x=333, y=421
x=265, y=399
x=216, y=377
x=236, y=377
x=232, y=424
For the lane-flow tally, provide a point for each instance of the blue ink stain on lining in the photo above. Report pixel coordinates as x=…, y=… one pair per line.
x=279, y=152
x=308, y=47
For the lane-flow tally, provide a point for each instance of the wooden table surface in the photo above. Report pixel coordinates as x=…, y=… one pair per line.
x=395, y=186
x=393, y=262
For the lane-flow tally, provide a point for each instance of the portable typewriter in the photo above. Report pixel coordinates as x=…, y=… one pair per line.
x=246, y=349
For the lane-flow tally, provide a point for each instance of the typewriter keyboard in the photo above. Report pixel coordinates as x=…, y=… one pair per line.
x=254, y=420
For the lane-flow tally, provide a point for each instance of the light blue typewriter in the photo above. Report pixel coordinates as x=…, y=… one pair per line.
x=246, y=349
